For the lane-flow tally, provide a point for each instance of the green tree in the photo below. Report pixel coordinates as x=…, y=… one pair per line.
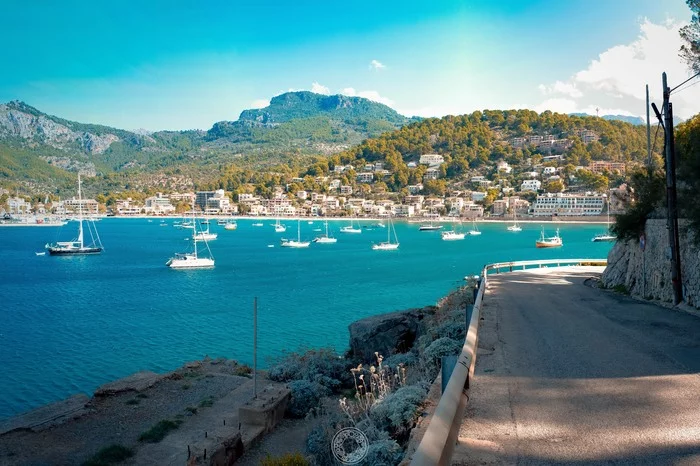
x=555, y=186
x=690, y=50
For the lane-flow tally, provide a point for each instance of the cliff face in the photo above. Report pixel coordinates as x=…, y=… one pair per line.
x=38, y=128
x=647, y=273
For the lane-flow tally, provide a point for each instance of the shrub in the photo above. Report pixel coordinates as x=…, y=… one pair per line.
x=688, y=148
x=207, y=402
x=454, y=330
x=323, y=366
x=306, y=395
x=384, y=452
x=112, y=454
x=289, y=459
x=648, y=187
x=243, y=370
x=407, y=359
x=158, y=432
x=439, y=348
x=397, y=411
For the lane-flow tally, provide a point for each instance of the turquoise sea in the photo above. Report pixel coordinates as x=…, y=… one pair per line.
x=70, y=324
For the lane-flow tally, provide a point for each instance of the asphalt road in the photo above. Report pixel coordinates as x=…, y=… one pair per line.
x=570, y=374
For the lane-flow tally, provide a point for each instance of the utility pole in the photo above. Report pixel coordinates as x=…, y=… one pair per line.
x=255, y=347
x=671, y=197
x=648, y=135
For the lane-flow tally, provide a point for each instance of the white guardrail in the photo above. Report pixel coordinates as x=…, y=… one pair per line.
x=439, y=440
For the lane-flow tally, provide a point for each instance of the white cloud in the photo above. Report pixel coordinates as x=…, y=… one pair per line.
x=376, y=65
x=260, y=103
x=320, y=89
x=371, y=95
x=559, y=87
x=615, y=81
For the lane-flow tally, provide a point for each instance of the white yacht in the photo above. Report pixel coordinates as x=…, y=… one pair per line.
x=388, y=245
x=279, y=227
x=78, y=246
x=350, y=228
x=192, y=260
x=474, y=231
x=325, y=239
x=289, y=243
x=515, y=227
x=451, y=235
x=230, y=225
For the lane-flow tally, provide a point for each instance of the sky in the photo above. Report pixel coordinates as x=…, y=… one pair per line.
x=185, y=65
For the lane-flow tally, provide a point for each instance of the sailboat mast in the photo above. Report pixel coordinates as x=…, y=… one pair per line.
x=80, y=214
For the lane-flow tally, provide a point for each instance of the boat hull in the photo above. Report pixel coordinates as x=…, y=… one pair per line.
x=73, y=252
x=325, y=240
x=541, y=244
x=295, y=244
x=385, y=246
x=600, y=239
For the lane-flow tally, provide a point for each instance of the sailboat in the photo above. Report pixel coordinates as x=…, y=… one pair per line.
x=279, y=228
x=230, y=225
x=325, y=239
x=606, y=236
x=515, y=226
x=549, y=242
x=388, y=245
x=474, y=231
x=78, y=246
x=192, y=260
x=350, y=228
x=289, y=243
x=203, y=235
x=430, y=226
x=452, y=235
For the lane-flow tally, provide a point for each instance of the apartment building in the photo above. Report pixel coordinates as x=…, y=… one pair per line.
x=568, y=204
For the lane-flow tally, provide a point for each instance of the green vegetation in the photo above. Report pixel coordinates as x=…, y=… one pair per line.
x=112, y=454
x=688, y=149
x=207, y=402
x=690, y=34
x=289, y=459
x=648, y=188
x=158, y=432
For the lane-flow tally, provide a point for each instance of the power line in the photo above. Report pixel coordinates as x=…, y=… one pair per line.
x=688, y=86
x=693, y=76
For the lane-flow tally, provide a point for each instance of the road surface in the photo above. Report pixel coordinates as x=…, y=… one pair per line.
x=570, y=374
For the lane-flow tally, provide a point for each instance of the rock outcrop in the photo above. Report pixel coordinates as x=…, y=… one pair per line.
x=39, y=128
x=387, y=333
x=647, y=273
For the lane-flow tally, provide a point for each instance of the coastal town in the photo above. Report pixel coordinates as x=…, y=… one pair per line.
x=544, y=186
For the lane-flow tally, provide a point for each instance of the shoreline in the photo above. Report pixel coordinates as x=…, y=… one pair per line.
x=411, y=220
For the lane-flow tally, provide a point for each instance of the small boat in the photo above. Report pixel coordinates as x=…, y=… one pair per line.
x=230, y=225
x=205, y=235
x=222, y=222
x=288, y=243
x=515, y=227
x=192, y=260
x=310, y=222
x=388, y=245
x=607, y=236
x=257, y=224
x=78, y=246
x=429, y=227
x=452, y=235
x=350, y=228
x=279, y=228
x=325, y=239
x=474, y=231
x=40, y=253
x=549, y=242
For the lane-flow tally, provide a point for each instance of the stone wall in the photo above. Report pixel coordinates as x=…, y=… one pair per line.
x=647, y=273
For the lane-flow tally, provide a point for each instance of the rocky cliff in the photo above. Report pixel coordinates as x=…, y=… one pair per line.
x=647, y=273
x=21, y=121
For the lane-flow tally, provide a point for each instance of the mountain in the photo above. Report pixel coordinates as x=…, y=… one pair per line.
x=37, y=146
x=634, y=120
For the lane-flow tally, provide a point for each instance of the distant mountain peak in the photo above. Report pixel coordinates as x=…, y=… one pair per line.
x=635, y=120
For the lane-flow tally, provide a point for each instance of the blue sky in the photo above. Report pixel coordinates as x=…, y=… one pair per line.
x=182, y=65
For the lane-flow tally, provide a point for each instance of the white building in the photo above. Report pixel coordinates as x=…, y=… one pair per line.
x=219, y=203
x=478, y=196
x=158, y=205
x=431, y=160
x=17, y=205
x=365, y=177
x=302, y=195
x=503, y=167
x=568, y=204
x=530, y=185
x=549, y=170
x=431, y=174
x=415, y=188
x=402, y=210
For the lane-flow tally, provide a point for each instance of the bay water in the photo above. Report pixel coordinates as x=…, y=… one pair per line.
x=70, y=324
